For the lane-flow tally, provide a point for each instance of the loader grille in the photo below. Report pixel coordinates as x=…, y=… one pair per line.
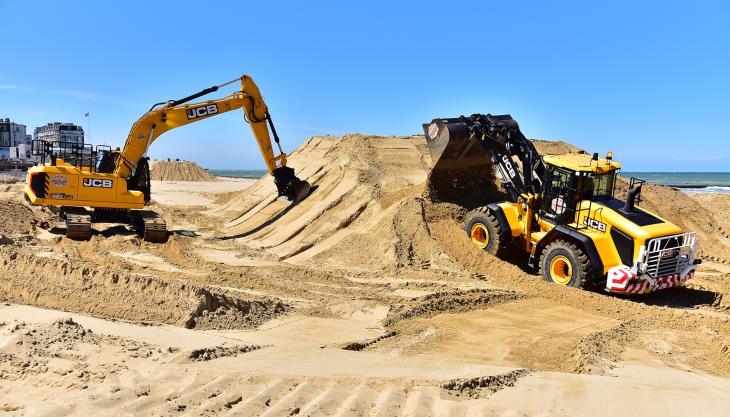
x=668, y=255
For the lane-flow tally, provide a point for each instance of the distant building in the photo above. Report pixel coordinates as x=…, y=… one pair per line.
x=13, y=140
x=60, y=132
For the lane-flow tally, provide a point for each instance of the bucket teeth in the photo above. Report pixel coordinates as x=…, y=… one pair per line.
x=299, y=191
x=289, y=186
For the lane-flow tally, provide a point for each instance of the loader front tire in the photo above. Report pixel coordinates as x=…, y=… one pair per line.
x=483, y=229
x=565, y=263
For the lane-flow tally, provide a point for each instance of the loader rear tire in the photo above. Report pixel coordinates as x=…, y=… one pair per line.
x=483, y=229
x=565, y=263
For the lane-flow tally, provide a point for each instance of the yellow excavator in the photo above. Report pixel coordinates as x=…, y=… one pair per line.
x=89, y=183
x=560, y=210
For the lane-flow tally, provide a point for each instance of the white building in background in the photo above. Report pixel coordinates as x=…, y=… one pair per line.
x=14, y=143
x=60, y=132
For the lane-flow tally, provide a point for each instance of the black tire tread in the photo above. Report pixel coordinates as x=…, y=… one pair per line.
x=584, y=277
x=484, y=212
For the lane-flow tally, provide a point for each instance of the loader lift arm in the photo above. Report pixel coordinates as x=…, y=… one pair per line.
x=466, y=137
x=163, y=117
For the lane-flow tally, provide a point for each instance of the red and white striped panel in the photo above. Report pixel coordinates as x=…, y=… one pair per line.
x=645, y=284
x=624, y=280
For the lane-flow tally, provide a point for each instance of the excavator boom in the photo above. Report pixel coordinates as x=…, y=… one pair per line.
x=163, y=117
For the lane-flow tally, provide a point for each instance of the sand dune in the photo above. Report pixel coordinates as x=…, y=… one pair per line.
x=179, y=171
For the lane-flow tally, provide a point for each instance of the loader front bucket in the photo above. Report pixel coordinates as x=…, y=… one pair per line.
x=290, y=186
x=462, y=171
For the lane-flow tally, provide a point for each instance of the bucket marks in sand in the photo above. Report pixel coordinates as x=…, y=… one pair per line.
x=524, y=332
x=232, y=257
x=148, y=260
x=108, y=292
x=221, y=351
x=450, y=302
x=358, y=346
x=484, y=385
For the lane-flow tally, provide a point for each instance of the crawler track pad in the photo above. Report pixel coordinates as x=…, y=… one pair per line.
x=151, y=226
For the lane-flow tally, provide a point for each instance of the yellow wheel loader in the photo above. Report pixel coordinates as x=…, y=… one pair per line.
x=560, y=209
x=88, y=182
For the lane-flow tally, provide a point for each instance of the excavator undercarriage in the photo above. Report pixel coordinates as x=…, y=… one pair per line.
x=79, y=220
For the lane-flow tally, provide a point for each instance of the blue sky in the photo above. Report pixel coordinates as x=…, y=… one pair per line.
x=647, y=80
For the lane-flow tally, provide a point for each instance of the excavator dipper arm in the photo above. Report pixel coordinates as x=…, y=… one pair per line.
x=163, y=117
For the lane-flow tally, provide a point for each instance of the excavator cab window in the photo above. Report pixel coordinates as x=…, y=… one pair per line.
x=106, y=159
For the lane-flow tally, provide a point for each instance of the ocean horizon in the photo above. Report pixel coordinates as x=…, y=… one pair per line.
x=689, y=182
x=239, y=173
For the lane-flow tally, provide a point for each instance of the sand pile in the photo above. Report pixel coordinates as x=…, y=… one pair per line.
x=50, y=280
x=17, y=218
x=555, y=147
x=179, y=171
x=367, y=206
x=367, y=297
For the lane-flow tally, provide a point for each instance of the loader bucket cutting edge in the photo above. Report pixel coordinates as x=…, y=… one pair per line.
x=462, y=170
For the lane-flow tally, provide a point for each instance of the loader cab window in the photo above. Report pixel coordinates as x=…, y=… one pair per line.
x=596, y=186
x=560, y=197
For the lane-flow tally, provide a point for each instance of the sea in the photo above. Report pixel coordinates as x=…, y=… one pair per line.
x=689, y=182
x=239, y=173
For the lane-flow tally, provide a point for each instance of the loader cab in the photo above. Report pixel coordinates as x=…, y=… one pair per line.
x=572, y=178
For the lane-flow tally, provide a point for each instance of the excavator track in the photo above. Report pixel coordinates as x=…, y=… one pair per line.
x=78, y=223
x=152, y=227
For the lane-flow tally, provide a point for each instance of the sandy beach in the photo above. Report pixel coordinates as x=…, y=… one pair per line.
x=366, y=299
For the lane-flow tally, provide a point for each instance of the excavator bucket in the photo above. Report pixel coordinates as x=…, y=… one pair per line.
x=290, y=186
x=462, y=170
